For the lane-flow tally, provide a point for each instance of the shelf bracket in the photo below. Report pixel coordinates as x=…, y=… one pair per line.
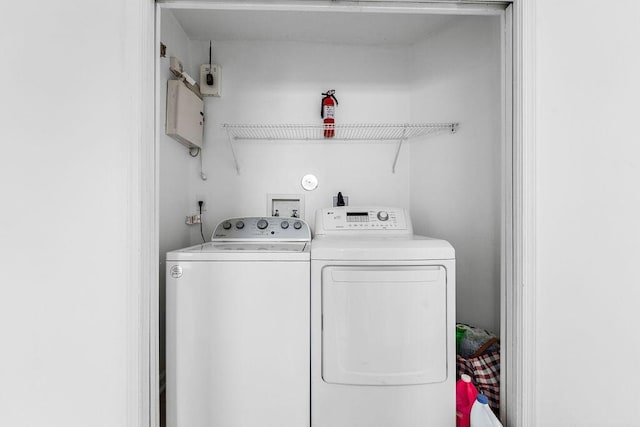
x=395, y=159
x=233, y=152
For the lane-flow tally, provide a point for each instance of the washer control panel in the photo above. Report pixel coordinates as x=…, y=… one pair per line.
x=262, y=228
x=366, y=219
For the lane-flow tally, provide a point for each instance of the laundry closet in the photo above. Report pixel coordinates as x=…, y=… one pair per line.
x=393, y=64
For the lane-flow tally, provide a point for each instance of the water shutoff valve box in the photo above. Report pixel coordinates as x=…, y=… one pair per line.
x=285, y=205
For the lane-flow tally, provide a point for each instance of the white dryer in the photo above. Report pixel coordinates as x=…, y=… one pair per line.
x=382, y=322
x=238, y=327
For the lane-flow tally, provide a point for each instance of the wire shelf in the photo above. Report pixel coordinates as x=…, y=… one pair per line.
x=342, y=132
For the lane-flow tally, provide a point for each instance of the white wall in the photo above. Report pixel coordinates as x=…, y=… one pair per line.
x=70, y=140
x=456, y=180
x=177, y=169
x=281, y=82
x=588, y=206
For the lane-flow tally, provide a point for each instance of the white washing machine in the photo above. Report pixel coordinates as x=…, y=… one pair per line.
x=382, y=322
x=238, y=327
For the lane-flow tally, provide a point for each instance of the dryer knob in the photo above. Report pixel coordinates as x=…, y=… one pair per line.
x=226, y=225
x=284, y=224
x=297, y=225
x=383, y=215
x=262, y=224
x=239, y=225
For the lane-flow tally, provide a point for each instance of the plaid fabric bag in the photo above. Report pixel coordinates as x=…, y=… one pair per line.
x=484, y=370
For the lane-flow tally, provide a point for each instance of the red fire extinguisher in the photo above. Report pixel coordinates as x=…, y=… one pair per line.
x=328, y=113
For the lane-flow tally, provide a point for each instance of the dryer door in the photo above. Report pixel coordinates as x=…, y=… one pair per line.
x=384, y=325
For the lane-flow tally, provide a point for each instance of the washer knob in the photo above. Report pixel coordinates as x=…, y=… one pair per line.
x=383, y=215
x=284, y=224
x=297, y=225
x=262, y=224
x=226, y=225
x=239, y=225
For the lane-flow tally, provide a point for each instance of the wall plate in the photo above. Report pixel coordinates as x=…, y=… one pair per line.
x=345, y=198
x=205, y=89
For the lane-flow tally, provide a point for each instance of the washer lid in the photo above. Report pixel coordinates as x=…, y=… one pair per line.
x=379, y=248
x=243, y=251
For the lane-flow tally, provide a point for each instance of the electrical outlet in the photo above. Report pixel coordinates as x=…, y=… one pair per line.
x=206, y=89
x=285, y=205
x=193, y=219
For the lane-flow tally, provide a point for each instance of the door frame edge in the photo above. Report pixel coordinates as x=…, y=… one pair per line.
x=520, y=297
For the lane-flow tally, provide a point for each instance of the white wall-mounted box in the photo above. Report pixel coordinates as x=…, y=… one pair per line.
x=285, y=205
x=185, y=114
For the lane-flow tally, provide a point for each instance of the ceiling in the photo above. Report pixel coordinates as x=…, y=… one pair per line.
x=321, y=27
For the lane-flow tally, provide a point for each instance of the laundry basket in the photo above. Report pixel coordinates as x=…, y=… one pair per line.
x=479, y=357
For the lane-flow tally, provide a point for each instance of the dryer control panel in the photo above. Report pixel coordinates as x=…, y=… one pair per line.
x=364, y=219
